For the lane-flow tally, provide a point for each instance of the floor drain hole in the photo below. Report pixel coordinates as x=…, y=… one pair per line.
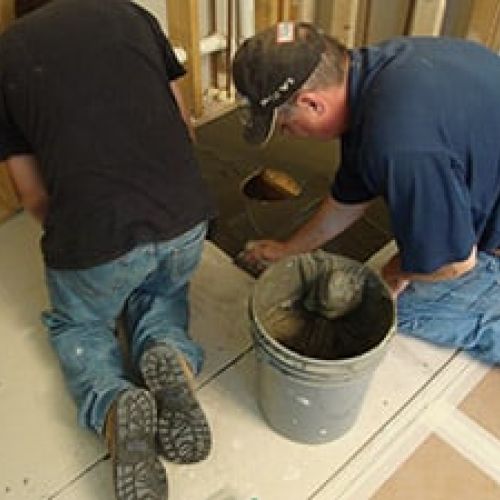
x=271, y=185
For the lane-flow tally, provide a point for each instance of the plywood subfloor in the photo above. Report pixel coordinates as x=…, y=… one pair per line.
x=227, y=162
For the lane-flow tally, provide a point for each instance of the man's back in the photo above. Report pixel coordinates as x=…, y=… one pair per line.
x=87, y=90
x=425, y=136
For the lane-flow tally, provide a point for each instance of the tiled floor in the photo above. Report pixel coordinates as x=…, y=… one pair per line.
x=428, y=428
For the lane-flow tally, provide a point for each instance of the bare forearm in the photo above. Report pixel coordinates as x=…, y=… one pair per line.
x=330, y=220
x=24, y=172
x=38, y=209
x=186, y=116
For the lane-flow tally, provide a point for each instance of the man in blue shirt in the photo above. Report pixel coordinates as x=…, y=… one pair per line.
x=419, y=123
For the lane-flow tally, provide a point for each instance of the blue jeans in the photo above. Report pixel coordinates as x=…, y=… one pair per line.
x=149, y=287
x=462, y=313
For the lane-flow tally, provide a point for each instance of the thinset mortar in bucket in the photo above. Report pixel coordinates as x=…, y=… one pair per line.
x=321, y=324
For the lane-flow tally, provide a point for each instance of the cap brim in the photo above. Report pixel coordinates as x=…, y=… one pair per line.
x=261, y=128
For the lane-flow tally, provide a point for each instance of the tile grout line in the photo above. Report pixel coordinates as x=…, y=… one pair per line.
x=225, y=367
x=80, y=475
x=466, y=436
x=379, y=459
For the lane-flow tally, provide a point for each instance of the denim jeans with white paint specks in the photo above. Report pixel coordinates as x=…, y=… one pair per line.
x=149, y=287
x=462, y=313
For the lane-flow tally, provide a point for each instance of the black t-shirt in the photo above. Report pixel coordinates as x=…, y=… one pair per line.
x=85, y=87
x=425, y=135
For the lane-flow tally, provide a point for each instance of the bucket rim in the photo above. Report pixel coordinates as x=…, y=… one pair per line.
x=287, y=353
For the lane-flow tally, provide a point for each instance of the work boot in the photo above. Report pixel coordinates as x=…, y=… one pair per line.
x=130, y=435
x=183, y=431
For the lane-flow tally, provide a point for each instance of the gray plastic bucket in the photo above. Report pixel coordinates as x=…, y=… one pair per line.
x=310, y=399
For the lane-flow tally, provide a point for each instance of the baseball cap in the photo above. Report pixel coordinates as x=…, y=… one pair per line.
x=269, y=68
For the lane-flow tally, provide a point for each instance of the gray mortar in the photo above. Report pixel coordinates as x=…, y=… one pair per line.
x=324, y=306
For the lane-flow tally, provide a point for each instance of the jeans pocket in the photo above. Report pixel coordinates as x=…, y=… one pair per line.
x=186, y=255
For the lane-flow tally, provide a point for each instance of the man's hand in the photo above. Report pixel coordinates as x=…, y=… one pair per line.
x=396, y=280
x=266, y=250
x=396, y=285
x=257, y=255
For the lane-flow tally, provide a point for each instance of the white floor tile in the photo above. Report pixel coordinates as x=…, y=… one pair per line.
x=41, y=446
x=219, y=305
x=252, y=460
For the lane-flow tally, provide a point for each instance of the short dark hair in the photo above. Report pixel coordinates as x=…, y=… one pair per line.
x=23, y=7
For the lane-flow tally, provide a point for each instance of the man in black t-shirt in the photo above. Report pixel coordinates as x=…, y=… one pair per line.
x=99, y=146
